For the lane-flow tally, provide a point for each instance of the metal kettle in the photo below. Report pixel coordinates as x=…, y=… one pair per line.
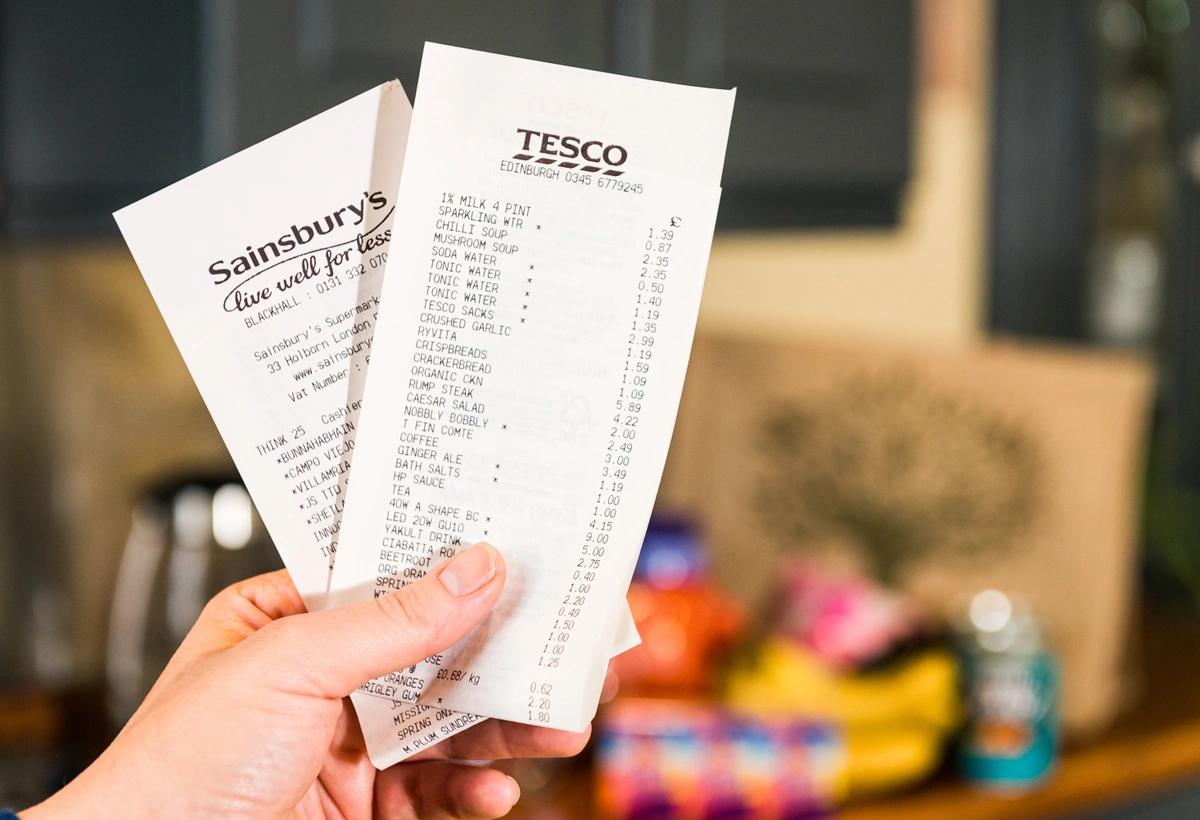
x=189, y=538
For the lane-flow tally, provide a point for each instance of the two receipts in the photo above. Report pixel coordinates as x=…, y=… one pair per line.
x=483, y=310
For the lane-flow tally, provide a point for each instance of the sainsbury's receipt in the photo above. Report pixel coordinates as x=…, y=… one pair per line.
x=537, y=322
x=267, y=268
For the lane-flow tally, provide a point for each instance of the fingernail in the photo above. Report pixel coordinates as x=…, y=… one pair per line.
x=516, y=790
x=469, y=570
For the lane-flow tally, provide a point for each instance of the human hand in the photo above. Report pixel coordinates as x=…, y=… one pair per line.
x=250, y=717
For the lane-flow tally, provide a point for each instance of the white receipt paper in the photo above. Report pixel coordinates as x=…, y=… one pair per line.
x=537, y=320
x=267, y=268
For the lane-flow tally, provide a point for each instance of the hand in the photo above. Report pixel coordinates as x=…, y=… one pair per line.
x=250, y=717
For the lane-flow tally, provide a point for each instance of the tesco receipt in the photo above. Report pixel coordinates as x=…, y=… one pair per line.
x=537, y=321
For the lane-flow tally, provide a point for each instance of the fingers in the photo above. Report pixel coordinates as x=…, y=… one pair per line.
x=499, y=739
x=435, y=789
x=339, y=649
x=611, y=685
x=272, y=593
x=236, y=613
x=249, y=605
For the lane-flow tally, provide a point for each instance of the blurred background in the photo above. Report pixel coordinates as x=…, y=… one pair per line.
x=928, y=543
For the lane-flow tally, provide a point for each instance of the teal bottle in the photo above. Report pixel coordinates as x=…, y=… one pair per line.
x=1011, y=734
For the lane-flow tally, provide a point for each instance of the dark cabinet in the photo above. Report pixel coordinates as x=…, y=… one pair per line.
x=285, y=66
x=103, y=103
x=821, y=128
x=99, y=104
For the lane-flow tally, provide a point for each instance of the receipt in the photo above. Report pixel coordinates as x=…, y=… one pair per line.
x=537, y=322
x=267, y=268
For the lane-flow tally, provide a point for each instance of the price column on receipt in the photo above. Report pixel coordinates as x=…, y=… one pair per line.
x=537, y=322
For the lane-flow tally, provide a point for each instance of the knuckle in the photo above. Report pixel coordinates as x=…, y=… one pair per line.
x=285, y=650
x=290, y=636
x=275, y=640
x=284, y=631
x=410, y=613
x=222, y=601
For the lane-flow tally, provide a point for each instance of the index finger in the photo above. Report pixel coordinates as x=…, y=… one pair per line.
x=501, y=739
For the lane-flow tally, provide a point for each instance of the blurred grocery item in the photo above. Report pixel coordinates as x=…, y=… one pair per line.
x=896, y=720
x=681, y=759
x=789, y=680
x=692, y=760
x=844, y=619
x=1010, y=740
x=672, y=555
x=684, y=620
x=884, y=759
x=1085, y=413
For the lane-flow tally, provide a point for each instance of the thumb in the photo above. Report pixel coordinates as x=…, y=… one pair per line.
x=339, y=649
